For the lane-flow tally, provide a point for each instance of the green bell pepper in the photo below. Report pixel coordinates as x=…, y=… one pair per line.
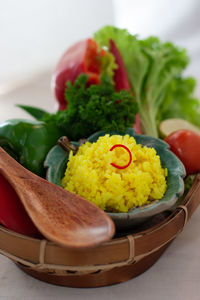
x=28, y=142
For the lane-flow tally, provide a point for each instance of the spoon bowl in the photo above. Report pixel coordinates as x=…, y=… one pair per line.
x=61, y=216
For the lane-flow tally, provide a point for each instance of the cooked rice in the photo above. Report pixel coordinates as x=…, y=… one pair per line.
x=90, y=174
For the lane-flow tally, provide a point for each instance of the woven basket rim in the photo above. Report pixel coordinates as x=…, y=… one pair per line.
x=44, y=255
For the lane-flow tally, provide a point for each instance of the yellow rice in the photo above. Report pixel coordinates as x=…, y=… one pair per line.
x=90, y=174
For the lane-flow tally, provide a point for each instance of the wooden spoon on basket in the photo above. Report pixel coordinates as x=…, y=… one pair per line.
x=59, y=215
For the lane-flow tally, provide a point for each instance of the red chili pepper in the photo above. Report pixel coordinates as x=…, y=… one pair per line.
x=12, y=213
x=130, y=156
x=121, y=78
x=120, y=74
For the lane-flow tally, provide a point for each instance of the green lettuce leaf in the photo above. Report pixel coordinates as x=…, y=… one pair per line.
x=155, y=73
x=179, y=101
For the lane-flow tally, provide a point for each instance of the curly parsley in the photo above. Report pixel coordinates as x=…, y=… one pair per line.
x=93, y=108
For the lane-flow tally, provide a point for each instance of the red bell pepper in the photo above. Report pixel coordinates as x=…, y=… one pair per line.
x=12, y=213
x=83, y=57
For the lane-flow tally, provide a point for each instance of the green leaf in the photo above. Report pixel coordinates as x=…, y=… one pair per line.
x=35, y=112
x=135, y=61
x=179, y=101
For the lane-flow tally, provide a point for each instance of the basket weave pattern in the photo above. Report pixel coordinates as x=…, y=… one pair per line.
x=42, y=258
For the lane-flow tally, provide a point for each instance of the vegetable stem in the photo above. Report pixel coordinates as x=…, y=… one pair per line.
x=148, y=123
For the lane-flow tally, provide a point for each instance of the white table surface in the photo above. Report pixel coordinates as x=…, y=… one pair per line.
x=176, y=275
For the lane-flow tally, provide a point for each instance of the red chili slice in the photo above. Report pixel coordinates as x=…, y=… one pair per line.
x=130, y=156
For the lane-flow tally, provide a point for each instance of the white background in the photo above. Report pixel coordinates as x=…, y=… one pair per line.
x=174, y=20
x=34, y=34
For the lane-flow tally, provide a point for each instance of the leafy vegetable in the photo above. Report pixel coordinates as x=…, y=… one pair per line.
x=154, y=69
x=90, y=109
x=180, y=102
x=108, y=65
x=188, y=181
x=35, y=112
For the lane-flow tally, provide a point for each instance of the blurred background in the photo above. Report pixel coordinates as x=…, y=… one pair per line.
x=34, y=34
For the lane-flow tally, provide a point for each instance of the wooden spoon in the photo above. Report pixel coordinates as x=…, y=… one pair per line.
x=59, y=215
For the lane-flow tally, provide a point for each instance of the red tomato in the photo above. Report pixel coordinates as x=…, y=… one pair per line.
x=186, y=145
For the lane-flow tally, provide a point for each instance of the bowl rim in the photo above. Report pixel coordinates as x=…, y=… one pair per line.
x=148, y=210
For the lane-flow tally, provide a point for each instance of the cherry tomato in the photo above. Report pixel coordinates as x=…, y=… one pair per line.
x=186, y=145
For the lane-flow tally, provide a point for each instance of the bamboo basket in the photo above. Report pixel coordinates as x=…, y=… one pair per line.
x=113, y=262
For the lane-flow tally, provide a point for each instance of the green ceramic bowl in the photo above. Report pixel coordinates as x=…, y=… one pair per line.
x=57, y=158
